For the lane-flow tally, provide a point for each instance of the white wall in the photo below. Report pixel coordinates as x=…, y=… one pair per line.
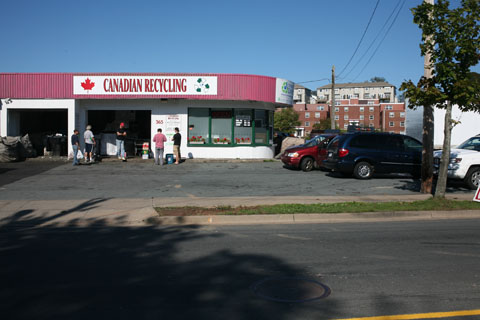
x=469, y=126
x=414, y=123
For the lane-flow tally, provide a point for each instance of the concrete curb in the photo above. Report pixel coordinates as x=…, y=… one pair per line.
x=302, y=218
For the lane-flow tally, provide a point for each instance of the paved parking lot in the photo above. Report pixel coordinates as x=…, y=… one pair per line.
x=57, y=180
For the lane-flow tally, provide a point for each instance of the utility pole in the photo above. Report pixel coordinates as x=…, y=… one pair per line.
x=428, y=131
x=332, y=109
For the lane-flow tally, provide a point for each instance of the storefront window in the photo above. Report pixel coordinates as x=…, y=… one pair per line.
x=198, y=125
x=230, y=126
x=261, y=125
x=243, y=126
x=221, y=126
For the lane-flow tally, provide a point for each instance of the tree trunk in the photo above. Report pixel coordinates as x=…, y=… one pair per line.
x=443, y=170
x=427, y=151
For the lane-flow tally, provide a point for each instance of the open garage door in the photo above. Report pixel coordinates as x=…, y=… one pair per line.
x=106, y=122
x=47, y=128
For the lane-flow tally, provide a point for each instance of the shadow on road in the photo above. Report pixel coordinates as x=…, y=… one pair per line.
x=14, y=171
x=104, y=272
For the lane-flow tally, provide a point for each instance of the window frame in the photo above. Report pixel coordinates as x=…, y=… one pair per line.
x=209, y=142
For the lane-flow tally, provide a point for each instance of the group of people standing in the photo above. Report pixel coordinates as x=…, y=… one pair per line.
x=90, y=142
x=160, y=140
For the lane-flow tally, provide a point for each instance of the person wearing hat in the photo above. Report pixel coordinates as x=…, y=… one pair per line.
x=89, y=142
x=121, y=135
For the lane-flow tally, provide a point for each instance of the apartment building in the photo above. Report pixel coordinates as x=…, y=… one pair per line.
x=387, y=117
x=381, y=91
x=309, y=115
x=303, y=95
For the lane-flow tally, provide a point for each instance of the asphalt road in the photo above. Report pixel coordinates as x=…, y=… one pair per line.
x=372, y=269
x=43, y=180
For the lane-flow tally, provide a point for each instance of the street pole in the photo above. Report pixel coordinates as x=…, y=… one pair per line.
x=428, y=131
x=332, y=109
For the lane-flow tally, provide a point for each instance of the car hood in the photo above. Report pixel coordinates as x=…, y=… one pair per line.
x=455, y=153
x=296, y=148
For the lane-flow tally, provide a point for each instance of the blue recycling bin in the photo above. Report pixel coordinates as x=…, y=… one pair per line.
x=169, y=158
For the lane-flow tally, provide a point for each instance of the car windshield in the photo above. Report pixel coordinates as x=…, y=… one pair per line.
x=313, y=142
x=471, y=144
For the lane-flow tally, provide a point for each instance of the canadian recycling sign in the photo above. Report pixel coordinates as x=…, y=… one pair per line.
x=284, y=91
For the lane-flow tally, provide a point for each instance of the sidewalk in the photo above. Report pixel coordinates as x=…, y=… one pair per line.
x=141, y=212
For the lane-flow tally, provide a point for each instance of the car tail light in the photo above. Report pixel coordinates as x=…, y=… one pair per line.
x=342, y=153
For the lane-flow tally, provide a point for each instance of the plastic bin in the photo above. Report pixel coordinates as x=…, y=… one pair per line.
x=169, y=158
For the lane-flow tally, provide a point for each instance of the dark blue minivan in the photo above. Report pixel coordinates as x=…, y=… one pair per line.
x=363, y=153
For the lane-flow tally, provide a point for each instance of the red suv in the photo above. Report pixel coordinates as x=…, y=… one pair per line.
x=309, y=155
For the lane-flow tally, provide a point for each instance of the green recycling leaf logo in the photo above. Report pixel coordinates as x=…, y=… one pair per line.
x=285, y=87
x=201, y=86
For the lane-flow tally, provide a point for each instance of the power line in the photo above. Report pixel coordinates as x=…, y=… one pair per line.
x=360, y=42
x=374, y=40
x=313, y=80
x=381, y=41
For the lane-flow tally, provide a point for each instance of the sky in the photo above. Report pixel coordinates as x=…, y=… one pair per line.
x=297, y=40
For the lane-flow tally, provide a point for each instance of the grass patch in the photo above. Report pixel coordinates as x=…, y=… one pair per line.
x=341, y=207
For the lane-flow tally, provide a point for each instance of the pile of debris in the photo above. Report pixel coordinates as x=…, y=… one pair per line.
x=16, y=149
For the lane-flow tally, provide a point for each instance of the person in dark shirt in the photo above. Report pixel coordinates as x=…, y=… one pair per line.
x=177, y=140
x=76, y=146
x=120, y=141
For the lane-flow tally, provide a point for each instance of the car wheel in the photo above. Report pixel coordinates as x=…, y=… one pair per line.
x=363, y=170
x=307, y=164
x=472, y=179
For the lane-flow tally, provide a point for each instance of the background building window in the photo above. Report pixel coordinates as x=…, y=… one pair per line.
x=337, y=109
x=307, y=115
x=307, y=123
x=337, y=117
x=362, y=109
x=402, y=124
x=402, y=114
x=372, y=109
x=345, y=117
x=392, y=114
x=345, y=109
x=362, y=117
x=371, y=117
x=198, y=120
x=391, y=124
x=317, y=114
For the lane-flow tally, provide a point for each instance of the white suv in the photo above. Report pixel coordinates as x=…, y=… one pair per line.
x=464, y=162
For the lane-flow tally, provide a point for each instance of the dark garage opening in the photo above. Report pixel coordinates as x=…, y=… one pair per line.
x=106, y=122
x=46, y=128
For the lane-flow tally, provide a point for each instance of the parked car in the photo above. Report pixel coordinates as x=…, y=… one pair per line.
x=464, y=162
x=308, y=155
x=364, y=153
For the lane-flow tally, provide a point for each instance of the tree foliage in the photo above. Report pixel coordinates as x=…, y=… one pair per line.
x=323, y=124
x=286, y=120
x=378, y=79
x=451, y=36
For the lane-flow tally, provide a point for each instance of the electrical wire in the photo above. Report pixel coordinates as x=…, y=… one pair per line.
x=361, y=39
x=381, y=41
x=374, y=40
x=313, y=80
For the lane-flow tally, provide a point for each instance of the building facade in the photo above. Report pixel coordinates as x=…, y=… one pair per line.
x=219, y=115
x=381, y=91
x=387, y=117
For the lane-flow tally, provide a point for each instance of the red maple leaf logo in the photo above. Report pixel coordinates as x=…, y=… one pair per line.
x=88, y=85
